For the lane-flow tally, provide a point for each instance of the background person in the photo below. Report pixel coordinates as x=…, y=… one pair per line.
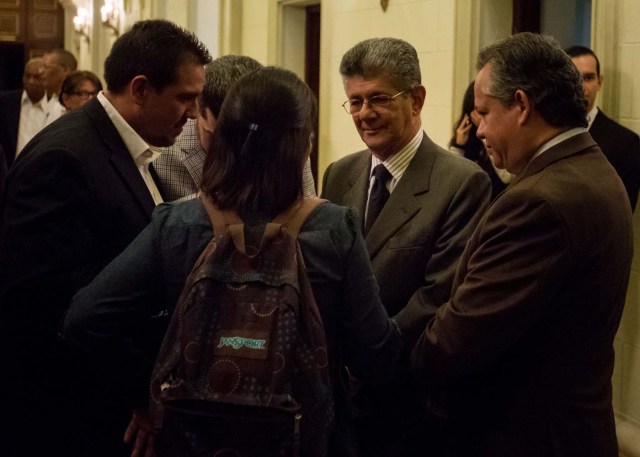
x=56, y=65
x=620, y=145
x=465, y=143
x=78, y=88
x=22, y=112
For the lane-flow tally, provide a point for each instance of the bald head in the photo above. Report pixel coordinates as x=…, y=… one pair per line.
x=32, y=80
x=57, y=64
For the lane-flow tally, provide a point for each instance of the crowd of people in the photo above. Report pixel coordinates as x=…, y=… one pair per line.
x=469, y=300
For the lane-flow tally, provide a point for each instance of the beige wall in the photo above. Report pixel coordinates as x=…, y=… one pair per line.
x=616, y=40
x=427, y=24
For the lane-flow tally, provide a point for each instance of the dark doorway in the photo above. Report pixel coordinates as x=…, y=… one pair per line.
x=27, y=29
x=526, y=16
x=312, y=70
x=11, y=64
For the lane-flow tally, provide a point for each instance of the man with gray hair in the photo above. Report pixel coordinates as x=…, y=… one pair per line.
x=520, y=358
x=179, y=167
x=419, y=205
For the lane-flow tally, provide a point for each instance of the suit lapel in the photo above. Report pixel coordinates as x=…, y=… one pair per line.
x=120, y=157
x=403, y=204
x=358, y=185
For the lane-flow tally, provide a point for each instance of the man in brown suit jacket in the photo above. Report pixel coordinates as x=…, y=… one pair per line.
x=520, y=358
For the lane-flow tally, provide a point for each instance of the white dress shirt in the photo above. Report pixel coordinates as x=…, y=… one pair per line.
x=54, y=109
x=140, y=151
x=33, y=117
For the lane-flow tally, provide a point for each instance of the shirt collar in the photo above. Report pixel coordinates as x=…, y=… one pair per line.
x=138, y=148
x=398, y=162
x=26, y=100
x=591, y=115
x=558, y=139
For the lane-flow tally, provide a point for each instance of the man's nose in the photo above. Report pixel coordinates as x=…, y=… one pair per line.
x=192, y=110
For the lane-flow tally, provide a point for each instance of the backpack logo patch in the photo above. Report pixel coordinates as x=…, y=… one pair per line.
x=236, y=345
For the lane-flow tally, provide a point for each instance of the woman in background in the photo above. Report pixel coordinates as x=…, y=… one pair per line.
x=465, y=143
x=78, y=88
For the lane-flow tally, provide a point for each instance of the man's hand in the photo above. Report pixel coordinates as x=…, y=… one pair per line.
x=141, y=433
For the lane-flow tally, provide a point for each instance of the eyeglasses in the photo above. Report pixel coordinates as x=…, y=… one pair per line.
x=354, y=106
x=84, y=93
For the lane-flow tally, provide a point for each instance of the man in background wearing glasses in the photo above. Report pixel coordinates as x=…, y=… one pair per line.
x=419, y=205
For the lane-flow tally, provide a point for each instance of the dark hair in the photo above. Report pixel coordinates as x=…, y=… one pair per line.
x=474, y=147
x=377, y=57
x=74, y=79
x=261, y=143
x=577, y=51
x=64, y=58
x=155, y=49
x=220, y=75
x=536, y=65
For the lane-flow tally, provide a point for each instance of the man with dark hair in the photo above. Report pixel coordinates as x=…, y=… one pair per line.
x=179, y=167
x=520, y=358
x=433, y=202
x=76, y=197
x=620, y=145
x=56, y=65
x=22, y=112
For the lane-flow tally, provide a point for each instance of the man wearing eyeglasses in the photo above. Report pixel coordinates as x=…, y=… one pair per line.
x=419, y=205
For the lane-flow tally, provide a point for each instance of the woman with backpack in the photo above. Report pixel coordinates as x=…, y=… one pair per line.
x=252, y=174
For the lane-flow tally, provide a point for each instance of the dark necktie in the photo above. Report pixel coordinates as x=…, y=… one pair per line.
x=379, y=195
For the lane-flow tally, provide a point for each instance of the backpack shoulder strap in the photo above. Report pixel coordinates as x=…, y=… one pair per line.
x=293, y=218
x=222, y=220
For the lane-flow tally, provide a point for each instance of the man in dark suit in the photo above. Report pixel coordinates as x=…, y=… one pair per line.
x=620, y=145
x=434, y=202
x=22, y=112
x=75, y=198
x=520, y=358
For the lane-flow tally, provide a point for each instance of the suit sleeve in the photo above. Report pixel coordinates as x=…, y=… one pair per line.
x=108, y=322
x=465, y=210
x=630, y=170
x=45, y=234
x=325, y=179
x=518, y=264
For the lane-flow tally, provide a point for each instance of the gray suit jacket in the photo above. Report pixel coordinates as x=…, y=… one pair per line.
x=418, y=237
x=414, y=246
x=523, y=352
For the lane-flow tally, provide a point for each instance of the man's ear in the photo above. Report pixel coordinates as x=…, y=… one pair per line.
x=210, y=121
x=523, y=103
x=138, y=88
x=418, y=95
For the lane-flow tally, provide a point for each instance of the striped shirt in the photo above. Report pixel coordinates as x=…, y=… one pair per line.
x=397, y=163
